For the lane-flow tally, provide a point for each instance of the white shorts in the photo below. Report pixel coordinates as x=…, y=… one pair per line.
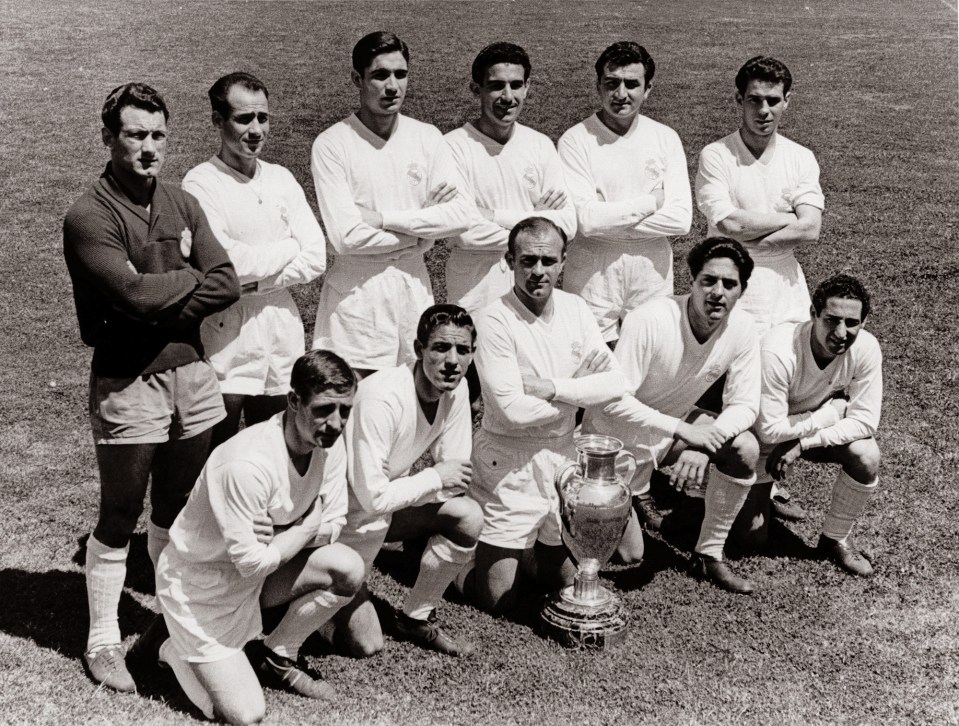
x=253, y=344
x=475, y=279
x=513, y=481
x=368, y=313
x=210, y=610
x=776, y=293
x=614, y=278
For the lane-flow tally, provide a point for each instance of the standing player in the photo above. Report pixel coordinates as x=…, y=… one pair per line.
x=628, y=177
x=217, y=572
x=821, y=400
x=762, y=189
x=387, y=188
x=672, y=350
x=260, y=215
x=400, y=414
x=540, y=357
x=509, y=170
x=146, y=270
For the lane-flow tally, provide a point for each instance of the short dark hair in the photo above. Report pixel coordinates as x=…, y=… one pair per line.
x=374, y=44
x=534, y=227
x=764, y=68
x=841, y=285
x=499, y=53
x=625, y=53
x=321, y=370
x=139, y=95
x=221, y=89
x=436, y=316
x=713, y=247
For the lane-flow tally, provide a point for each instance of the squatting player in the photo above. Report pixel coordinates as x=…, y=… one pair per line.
x=627, y=175
x=540, y=357
x=821, y=400
x=260, y=215
x=509, y=170
x=217, y=572
x=762, y=189
x=146, y=270
x=671, y=351
x=387, y=188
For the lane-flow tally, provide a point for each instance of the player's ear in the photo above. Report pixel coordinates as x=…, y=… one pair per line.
x=356, y=78
x=475, y=88
x=418, y=349
x=649, y=89
x=510, y=261
x=107, y=136
x=786, y=98
x=292, y=400
x=739, y=98
x=216, y=119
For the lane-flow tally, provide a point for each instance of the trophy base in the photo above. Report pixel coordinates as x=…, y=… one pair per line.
x=596, y=625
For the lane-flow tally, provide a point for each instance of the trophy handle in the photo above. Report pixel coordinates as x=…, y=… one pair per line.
x=560, y=481
x=630, y=466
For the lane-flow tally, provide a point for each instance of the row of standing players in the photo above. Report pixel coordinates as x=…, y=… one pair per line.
x=153, y=274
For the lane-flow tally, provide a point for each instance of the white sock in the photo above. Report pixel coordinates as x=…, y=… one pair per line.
x=304, y=616
x=187, y=679
x=849, y=498
x=440, y=564
x=106, y=568
x=157, y=539
x=725, y=496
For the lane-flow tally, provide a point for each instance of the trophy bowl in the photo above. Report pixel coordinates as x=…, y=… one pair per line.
x=595, y=502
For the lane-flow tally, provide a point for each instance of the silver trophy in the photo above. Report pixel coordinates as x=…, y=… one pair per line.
x=595, y=502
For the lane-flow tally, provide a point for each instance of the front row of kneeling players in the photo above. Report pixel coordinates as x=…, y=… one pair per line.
x=540, y=356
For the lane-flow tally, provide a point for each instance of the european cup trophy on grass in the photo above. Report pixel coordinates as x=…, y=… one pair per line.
x=595, y=502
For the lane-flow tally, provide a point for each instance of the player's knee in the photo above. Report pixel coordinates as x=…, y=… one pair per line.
x=367, y=646
x=740, y=456
x=863, y=459
x=465, y=517
x=249, y=710
x=119, y=520
x=347, y=571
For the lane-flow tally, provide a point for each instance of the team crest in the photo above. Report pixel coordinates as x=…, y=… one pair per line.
x=785, y=201
x=414, y=173
x=713, y=372
x=529, y=176
x=655, y=168
x=284, y=215
x=576, y=351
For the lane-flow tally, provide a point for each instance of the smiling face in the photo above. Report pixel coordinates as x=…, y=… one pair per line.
x=536, y=264
x=502, y=96
x=383, y=84
x=446, y=356
x=318, y=421
x=835, y=329
x=713, y=295
x=243, y=134
x=763, y=104
x=139, y=147
x=622, y=91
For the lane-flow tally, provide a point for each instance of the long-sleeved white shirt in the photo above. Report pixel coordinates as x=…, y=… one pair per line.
x=353, y=166
x=731, y=178
x=667, y=370
x=795, y=390
x=508, y=179
x=612, y=178
x=265, y=223
x=387, y=432
x=512, y=341
x=252, y=475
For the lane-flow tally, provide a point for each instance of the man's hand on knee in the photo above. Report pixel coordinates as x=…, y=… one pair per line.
x=781, y=458
x=689, y=469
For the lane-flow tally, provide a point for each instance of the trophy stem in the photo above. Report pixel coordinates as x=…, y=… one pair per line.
x=586, y=586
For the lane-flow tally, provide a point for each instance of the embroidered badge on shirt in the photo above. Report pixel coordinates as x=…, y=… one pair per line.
x=713, y=372
x=655, y=168
x=186, y=242
x=785, y=201
x=576, y=352
x=529, y=176
x=414, y=174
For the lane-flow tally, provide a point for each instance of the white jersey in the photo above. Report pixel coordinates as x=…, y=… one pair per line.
x=667, y=370
x=386, y=433
x=612, y=178
x=795, y=390
x=265, y=223
x=783, y=178
x=511, y=341
x=211, y=573
x=507, y=179
x=353, y=166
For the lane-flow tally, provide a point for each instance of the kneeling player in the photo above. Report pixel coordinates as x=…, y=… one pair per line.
x=216, y=573
x=671, y=351
x=821, y=399
x=400, y=414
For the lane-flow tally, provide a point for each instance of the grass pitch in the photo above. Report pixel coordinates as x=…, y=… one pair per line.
x=875, y=97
